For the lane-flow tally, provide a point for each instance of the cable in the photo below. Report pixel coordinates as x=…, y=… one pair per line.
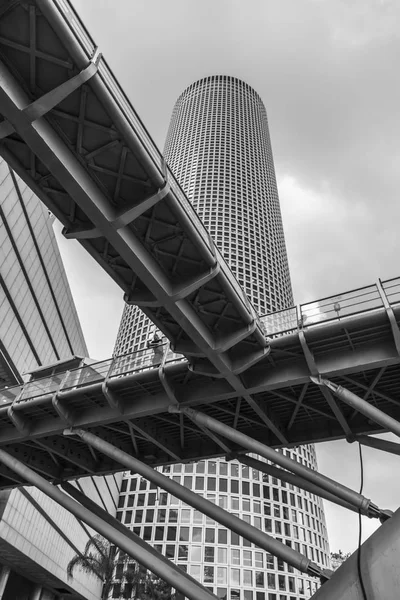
x=360, y=526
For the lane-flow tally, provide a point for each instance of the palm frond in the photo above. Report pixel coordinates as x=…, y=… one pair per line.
x=87, y=564
x=98, y=543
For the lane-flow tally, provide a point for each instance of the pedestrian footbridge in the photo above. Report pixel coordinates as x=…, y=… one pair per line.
x=227, y=381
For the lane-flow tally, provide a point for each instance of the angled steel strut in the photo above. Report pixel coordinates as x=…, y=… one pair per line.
x=377, y=443
x=249, y=532
x=362, y=406
x=293, y=479
x=138, y=550
x=364, y=505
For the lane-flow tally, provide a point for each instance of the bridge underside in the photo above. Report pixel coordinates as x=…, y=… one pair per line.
x=127, y=403
x=70, y=132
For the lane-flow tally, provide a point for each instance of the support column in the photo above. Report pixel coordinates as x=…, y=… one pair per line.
x=143, y=555
x=36, y=593
x=5, y=572
x=362, y=406
x=364, y=505
x=294, y=480
x=233, y=523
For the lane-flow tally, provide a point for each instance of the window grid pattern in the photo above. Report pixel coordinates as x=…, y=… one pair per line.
x=219, y=149
x=229, y=565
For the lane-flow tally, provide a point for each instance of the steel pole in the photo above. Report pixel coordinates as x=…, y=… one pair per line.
x=142, y=555
x=294, y=480
x=372, y=442
x=105, y=516
x=364, y=505
x=362, y=406
x=261, y=539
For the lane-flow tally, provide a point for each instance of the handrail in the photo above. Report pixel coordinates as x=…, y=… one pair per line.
x=144, y=359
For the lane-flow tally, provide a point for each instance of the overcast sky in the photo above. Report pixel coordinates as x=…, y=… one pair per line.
x=328, y=75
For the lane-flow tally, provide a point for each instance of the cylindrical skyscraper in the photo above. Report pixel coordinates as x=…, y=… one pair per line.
x=218, y=148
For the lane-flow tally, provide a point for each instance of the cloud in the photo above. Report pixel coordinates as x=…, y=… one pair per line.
x=321, y=238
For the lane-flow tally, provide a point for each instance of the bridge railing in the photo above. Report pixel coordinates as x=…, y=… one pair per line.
x=392, y=290
x=278, y=323
x=331, y=308
x=341, y=305
x=119, y=366
x=87, y=374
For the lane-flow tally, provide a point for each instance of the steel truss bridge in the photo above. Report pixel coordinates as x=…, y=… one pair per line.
x=228, y=381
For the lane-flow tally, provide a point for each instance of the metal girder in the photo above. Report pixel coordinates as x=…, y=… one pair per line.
x=293, y=479
x=154, y=435
x=105, y=516
x=69, y=452
x=138, y=550
x=212, y=436
x=372, y=388
x=378, y=444
x=267, y=416
x=72, y=167
x=215, y=512
x=373, y=413
x=325, y=392
x=237, y=413
x=37, y=459
x=364, y=505
x=46, y=103
x=308, y=407
x=298, y=405
x=139, y=396
x=391, y=316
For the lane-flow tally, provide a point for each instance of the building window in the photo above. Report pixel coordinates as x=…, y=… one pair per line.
x=222, y=536
x=210, y=536
x=222, y=576
x=195, y=571
x=185, y=515
x=199, y=483
x=235, y=576
x=208, y=554
x=197, y=534
x=235, y=557
x=234, y=539
x=195, y=553
x=234, y=486
x=223, y=485
x=259, y=579
x=271, y=583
